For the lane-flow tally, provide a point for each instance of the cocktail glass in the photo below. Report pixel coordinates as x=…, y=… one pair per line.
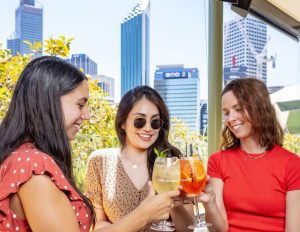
x=193, y=180
x=165, y=177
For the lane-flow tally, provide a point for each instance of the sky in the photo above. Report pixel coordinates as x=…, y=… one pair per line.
x=178, y=35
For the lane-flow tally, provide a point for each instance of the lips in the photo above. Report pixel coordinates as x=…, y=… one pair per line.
x=145, y=137
x=235, y=127
x=77, y=126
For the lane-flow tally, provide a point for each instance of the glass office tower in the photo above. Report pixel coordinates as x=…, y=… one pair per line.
x=28, y=27
x=84, y=62
x=180, y=89
x=245, y=47
x=135, y=47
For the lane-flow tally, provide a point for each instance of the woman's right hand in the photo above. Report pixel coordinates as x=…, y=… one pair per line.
x=157, y=207
x=212, y=199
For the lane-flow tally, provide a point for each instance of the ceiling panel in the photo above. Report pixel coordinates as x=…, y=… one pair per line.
x=290, y=7
x=283, y=14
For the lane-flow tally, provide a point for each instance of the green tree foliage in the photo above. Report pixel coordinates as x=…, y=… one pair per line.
x=53, y=47
x=292, y=143
x=10, y=69
x=182, y=137
x=97, y=133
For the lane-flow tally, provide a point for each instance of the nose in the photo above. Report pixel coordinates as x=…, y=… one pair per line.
x=147, y=126
x=86, y=114
x=231, y=116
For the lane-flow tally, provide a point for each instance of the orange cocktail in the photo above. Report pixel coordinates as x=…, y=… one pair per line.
x=193, y=176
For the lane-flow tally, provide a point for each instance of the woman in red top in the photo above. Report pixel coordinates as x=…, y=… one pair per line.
x=37, y=187
x=254, y=183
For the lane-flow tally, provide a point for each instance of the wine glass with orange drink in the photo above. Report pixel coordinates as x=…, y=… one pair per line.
x=193, y=180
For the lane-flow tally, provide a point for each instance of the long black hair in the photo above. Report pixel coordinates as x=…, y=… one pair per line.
x=35, y=113
x=126, y=104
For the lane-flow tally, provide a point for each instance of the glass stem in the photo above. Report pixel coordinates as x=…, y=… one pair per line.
x=198, y=216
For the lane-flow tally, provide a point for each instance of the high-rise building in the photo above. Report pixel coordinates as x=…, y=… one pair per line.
x=135, y=47
x=107, y=85
x=203, y=117
x=244, y=43
x=84, y=62
x=28, y=27
x=180, y=89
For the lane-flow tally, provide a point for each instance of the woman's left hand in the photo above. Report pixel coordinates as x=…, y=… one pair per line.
x=208, y=196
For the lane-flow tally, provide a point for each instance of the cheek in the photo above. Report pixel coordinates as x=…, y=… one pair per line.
x=155, y=136
x=226, y=122
x=68, y=111
x=71, y=116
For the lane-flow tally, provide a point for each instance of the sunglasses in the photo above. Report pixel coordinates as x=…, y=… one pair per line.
x=141, y=122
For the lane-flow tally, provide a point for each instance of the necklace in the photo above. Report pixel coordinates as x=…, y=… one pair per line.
x=134, y=164
x=248, y=156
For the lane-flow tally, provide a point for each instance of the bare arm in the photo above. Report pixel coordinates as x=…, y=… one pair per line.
x=101, y=219
x=154, y=207
x=292, y=221
x=212, y=199
x=183, y=216
x=50, y=210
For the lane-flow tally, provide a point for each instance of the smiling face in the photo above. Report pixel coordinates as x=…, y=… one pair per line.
x=75, y=109
x=143, y=138
x=235, y=117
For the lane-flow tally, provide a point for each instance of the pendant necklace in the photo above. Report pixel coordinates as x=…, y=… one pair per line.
x=248, y=156
x=134, y=164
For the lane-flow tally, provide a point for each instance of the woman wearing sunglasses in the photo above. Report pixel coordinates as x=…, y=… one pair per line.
x=117, y=179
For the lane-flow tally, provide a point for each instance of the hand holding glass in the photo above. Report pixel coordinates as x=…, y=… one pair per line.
x=193, y=180
x=165, y=177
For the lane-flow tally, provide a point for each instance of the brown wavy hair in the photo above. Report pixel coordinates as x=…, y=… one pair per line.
x=253, y=96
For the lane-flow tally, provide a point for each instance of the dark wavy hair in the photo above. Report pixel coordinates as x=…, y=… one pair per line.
x=253, y=96
x=126, y=104
x=35, y=113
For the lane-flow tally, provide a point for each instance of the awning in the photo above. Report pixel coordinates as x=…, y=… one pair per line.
x=287, y=105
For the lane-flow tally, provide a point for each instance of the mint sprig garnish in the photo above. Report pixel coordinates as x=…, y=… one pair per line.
x=160, y=154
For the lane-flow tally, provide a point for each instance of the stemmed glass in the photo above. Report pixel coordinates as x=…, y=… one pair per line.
x=193, y=180
x=165, y=177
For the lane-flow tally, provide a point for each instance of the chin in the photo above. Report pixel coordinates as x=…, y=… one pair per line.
x=71, y=137
x=145, y=146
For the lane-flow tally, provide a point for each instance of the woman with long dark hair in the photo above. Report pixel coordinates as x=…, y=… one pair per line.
x=116, y=179
x=37, y=188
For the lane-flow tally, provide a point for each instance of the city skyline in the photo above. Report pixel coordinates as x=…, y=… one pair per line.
x=178, y=35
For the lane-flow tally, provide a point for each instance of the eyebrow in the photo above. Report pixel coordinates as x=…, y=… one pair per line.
x=234, y=106
x=82, y=99
x=144, y=115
